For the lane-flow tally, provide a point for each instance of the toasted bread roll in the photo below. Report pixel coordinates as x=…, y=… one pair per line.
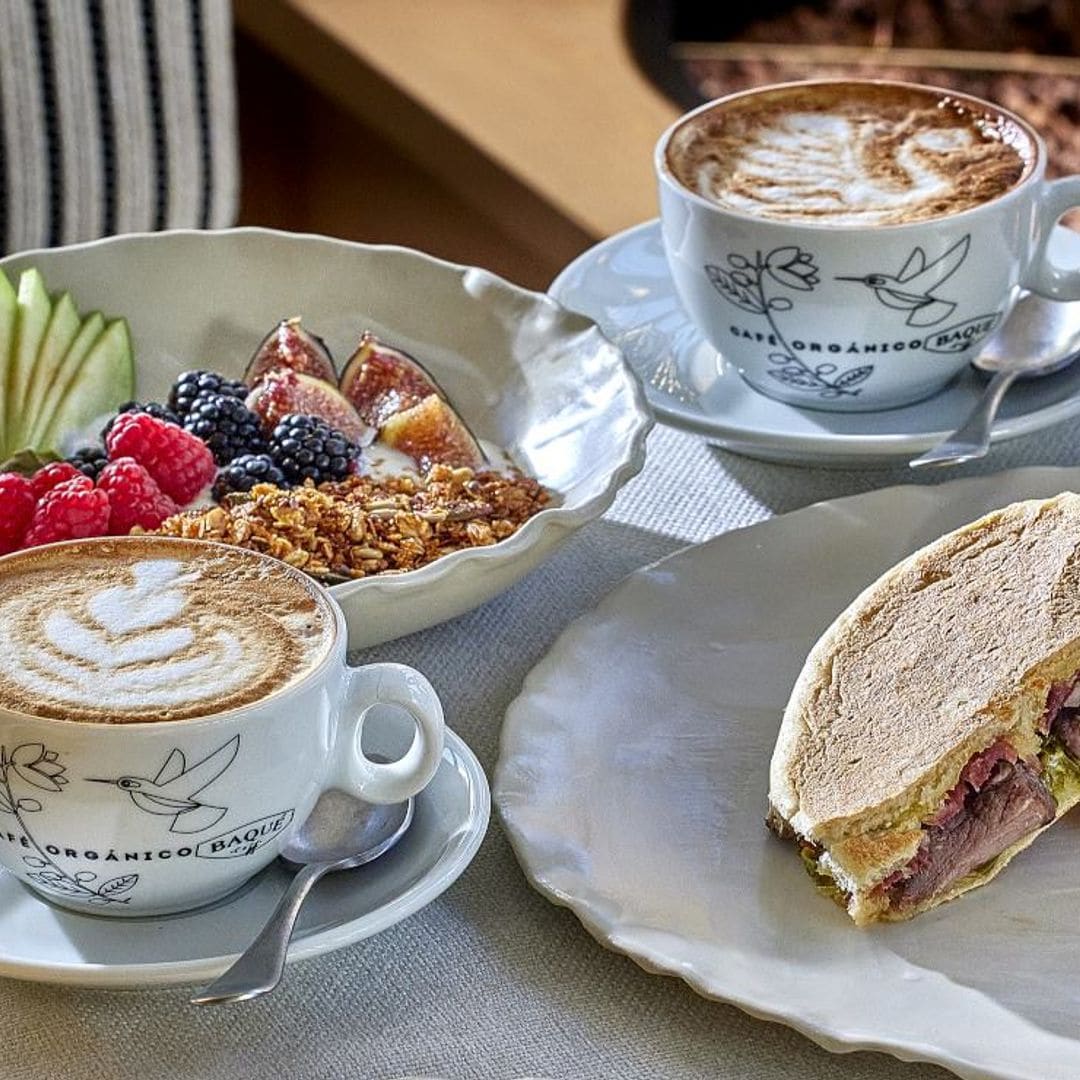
x=930, y=724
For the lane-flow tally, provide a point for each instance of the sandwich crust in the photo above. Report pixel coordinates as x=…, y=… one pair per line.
x=864, y=860
x=946, y=652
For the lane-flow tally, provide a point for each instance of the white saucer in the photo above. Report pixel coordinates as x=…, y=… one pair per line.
x=44, y=943
x=624, y=286
x=632, y=782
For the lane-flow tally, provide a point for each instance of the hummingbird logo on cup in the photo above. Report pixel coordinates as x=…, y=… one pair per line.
x=911, y=290
x=172, y=791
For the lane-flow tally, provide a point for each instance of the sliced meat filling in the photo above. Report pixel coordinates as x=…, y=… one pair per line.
x=998, y=800
x=1062, y=716
x=975, y=773
x=978, y=821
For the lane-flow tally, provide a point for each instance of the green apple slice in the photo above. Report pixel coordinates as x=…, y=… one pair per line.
x=64, y=375
x=59, y=336
x=8, y=318
x=104, y=379
x=34, y=310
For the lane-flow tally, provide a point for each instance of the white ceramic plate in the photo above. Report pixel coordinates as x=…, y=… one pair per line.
x=623, y=283
x=44, y=943
x=632, y=781
x=537, y=380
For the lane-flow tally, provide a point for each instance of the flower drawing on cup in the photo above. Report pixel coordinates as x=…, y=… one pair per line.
x=38, y=767
x=26, y=771
x=750, y=284
x=792, y=267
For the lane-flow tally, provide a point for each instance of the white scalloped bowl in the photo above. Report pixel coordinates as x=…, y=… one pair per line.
x=525, y=373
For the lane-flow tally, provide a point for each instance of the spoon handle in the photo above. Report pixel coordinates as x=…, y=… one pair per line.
x=258, y=968
x=972, y=439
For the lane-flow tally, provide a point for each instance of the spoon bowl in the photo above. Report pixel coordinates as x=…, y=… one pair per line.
x=1039, y=337
x=342, y=829
x=341, y=833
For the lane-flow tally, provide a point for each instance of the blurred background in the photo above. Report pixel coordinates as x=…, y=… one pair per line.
x=511, y=134
x=564, y=99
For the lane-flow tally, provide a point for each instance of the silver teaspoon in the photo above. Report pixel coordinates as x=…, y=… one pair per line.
x=342, y=832
x=1038, y=338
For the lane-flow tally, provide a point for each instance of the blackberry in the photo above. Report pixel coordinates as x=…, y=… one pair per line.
x=307, y=448
x=196, y=384
x=90, y=460
x=244, y=472
x=226, y=425
x=151, y=408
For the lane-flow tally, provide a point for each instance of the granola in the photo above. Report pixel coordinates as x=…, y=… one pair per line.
x=364, y=525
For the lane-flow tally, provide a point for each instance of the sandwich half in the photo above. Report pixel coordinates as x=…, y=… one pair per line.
x=934, y=731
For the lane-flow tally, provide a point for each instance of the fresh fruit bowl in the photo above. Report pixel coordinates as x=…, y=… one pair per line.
x=525, y=374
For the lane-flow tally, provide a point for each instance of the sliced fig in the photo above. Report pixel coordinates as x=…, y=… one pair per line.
x=290, y=346
x=381, y=380
x=431, y=433
x=285, y=391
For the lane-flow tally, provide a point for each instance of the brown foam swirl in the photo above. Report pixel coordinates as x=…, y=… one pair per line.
x=849, y=154
x=151, y=629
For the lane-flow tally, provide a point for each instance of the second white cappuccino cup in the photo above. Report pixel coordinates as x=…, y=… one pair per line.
x=859, y=317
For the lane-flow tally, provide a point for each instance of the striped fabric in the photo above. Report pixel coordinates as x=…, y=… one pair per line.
x=115, y=116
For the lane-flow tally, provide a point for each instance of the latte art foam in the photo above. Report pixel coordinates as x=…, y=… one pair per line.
x=141, y=630
x=849, y=154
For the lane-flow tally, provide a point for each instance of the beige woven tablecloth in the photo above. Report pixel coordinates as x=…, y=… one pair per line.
x=491, y=981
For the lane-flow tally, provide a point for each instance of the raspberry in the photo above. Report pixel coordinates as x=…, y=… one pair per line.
x=47, y=477
x=71, y=510
x=180, y=463
x=134, y=498
x=154, y=408
x=17, y=502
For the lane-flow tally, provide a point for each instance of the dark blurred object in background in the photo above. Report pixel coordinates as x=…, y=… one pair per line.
x=1022, y=54
x=1047, y=27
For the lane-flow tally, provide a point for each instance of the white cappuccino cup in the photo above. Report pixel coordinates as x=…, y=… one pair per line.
x=154, y=778
x=819, y=296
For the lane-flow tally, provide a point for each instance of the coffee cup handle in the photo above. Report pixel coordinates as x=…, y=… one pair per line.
x=395, y=781
x=1046, y=279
